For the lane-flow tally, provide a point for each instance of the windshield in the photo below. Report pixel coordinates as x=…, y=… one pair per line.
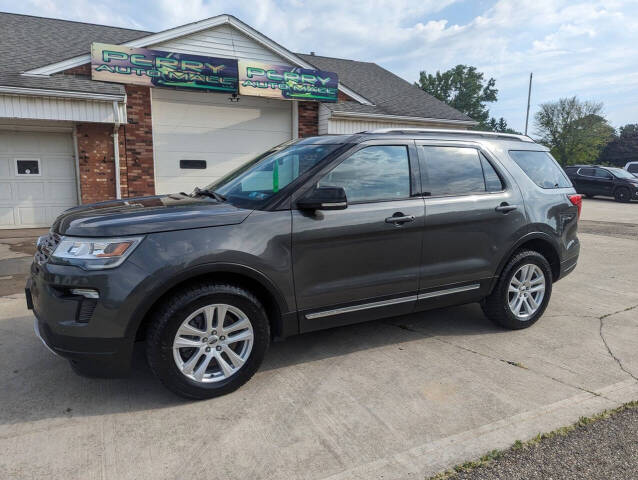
x=620, y=173
x=252, y=184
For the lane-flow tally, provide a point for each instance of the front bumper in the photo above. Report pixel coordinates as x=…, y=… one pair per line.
x=91, y=333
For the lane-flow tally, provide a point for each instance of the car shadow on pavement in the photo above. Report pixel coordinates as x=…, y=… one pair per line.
x=461, y=320
x=36, y=385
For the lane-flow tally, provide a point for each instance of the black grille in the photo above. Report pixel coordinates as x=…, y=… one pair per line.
x=45, y=247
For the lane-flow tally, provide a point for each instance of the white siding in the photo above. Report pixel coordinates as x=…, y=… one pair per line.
x=324, y=118
x=223, y=41
x=346, y=125
x=54, y=108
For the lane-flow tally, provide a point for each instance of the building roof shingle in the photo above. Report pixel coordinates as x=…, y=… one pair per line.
x=28, y=42
x=390, y=94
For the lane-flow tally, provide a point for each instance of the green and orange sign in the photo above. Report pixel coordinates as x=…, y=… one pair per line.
x=156, y=68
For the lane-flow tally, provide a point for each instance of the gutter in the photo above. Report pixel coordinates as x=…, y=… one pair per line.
x=43, y=92
x=379, y=116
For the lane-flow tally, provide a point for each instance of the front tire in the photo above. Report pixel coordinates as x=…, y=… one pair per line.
x=622, y=195
x=522, y=292
x=207, y=340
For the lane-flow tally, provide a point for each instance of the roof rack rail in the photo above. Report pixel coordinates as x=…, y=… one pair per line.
x=477, y=133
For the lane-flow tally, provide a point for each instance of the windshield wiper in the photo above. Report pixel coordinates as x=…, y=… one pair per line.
x=208, y=193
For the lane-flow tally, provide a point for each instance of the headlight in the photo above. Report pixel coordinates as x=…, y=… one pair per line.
x=94, y=253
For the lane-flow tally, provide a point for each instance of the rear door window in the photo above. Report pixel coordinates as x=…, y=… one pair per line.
x=541, y=168
x=457, y=171
x=587, y=172
x=493, y=182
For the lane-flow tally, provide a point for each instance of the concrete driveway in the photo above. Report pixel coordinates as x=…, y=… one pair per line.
x=400, y=398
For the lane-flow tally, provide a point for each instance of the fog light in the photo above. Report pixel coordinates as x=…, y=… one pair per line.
x=85, y=292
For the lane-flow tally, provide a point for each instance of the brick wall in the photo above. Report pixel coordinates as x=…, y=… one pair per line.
x=136, y=150
x=342, y=97
x=97, y=166
x=82, y=70
x=308, y=119
x=95, y=149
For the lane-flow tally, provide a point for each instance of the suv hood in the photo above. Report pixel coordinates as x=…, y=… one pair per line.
x=134, y=216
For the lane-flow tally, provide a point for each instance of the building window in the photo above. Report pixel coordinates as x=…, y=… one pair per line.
x=27, y=166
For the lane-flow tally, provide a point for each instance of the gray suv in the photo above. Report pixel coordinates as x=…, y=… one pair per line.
x=313, y=234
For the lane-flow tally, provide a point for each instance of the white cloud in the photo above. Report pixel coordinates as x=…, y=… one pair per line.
x=574, y=47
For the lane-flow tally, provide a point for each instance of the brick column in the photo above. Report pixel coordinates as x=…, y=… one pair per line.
x=136, y=156
x=97, y=163
x=308, y=119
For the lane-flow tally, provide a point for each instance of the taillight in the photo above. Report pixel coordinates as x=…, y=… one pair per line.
x=577, y=201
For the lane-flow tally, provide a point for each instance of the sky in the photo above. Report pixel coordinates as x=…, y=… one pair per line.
x=583, y=48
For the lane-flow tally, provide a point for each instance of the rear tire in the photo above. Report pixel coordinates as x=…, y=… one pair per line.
x=622, y=195
x=526, y=285
x=589, y=195
x=219, y=362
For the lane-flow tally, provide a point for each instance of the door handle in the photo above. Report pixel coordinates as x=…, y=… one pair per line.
x=505, y=207
x=399, y=219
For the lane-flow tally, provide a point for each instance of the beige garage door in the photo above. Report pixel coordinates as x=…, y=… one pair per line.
x=198, y=137
x=37, y=178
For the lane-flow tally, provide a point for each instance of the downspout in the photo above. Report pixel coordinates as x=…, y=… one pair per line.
x=116, y=150
x=77, y=164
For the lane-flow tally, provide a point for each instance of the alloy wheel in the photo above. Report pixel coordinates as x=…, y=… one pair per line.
x=213, y=343
x=526, y=291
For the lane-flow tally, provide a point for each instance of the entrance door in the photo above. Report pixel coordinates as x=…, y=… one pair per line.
x=362, y=262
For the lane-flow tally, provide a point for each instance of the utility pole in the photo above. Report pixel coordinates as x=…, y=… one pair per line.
x=529, y=96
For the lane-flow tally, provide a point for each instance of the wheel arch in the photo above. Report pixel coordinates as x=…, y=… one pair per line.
x=281, y=322
x=539, y=242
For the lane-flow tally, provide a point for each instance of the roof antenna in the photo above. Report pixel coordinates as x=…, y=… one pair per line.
x=312, y=53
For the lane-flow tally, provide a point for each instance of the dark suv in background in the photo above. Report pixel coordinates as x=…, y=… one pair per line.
x=313, y=234
x=592, y=180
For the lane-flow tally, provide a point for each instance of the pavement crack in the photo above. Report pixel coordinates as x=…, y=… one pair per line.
x=602, y=337
x=509, y=362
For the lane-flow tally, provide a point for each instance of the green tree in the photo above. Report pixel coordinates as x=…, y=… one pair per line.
x=574, y=130
x=623, y=148
x=500, y=125
x=464, y=88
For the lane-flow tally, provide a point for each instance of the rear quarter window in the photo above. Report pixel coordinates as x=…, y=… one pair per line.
x=541, y=168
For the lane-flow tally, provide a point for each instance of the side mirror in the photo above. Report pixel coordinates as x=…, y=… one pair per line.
x=324, y=198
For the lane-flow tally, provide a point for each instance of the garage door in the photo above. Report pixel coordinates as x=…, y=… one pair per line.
x=37, y=177
x=198, y=137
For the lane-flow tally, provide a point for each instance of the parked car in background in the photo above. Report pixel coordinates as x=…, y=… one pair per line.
x=313, y=234
x=595, y=180
x=632, y=167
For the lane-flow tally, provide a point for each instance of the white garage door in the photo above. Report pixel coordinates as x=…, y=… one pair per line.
x=37, y=177
x=217, y=134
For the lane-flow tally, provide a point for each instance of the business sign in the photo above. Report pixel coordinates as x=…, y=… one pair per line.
x=155, y=68
x=286, y=82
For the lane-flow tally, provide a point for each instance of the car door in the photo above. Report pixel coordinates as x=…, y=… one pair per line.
x=362, y=262
x=585, y=181
x=604, y=182
x=474, y=213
